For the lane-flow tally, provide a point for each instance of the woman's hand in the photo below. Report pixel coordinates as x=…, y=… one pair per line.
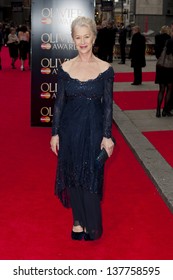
x=54, y=144
x=108, y=144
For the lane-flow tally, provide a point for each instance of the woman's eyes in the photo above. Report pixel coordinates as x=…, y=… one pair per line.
x=85, y=37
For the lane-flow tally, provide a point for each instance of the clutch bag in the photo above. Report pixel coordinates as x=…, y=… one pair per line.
x=103, y=156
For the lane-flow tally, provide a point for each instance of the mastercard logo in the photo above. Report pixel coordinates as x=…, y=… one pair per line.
x=46, y=21
x=45, y=119
x=45, y=95
x=45, y=71
x=46, y=46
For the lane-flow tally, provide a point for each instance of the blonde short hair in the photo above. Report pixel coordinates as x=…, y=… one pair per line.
x=165, y=29
x=84, y=21
x=136, y=28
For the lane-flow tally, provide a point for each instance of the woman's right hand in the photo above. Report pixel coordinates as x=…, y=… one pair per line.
x=54, y=144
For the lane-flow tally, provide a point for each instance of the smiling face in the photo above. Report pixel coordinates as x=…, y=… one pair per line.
x=83, y=38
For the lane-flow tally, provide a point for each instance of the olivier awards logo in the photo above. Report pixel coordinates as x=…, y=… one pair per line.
x=62, y=15
x=50, y=65
x=48, y=90
x=57, y=41
x=46, y=114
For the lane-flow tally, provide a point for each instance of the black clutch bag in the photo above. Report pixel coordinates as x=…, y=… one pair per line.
x=103, y=156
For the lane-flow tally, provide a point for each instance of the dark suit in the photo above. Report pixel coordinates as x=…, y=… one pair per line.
x=101, y=43
x=111, y=42
x=137, y=55
x=105, y=42
x=122, y=42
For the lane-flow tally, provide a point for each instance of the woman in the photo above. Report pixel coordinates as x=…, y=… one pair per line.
x=163, y=75
x=82, y=122
x=24, y=38
x=137, y=54
x=12, y=43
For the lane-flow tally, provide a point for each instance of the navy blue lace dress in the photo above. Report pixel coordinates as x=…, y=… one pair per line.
x=82, y=117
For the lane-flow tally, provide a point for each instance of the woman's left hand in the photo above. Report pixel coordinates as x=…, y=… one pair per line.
x=108, y=144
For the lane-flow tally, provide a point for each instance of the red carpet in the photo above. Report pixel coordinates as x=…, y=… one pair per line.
x=162, y=141
x=34, y=225
x=136, y=100
x=128, y=77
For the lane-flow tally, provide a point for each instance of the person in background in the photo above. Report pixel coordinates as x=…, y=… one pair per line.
x=29, y=49
x=23, y=36
x=160, y=40
x=1, y=43
x=137, y=54
x=101, y=41
x=82, y=127
x=161, y=76
x=6, y=33
x=169, y=47
x=13, y=43
x=112, y=30
x=105, y=41
x=129, y=31
x=122, y=42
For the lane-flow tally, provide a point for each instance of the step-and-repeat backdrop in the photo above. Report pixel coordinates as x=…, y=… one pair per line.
x=51, y=46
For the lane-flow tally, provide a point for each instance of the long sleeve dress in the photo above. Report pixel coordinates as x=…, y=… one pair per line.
x=82, y=117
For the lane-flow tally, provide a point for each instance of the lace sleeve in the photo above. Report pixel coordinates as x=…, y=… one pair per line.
x=58, y=106
x=108, y=104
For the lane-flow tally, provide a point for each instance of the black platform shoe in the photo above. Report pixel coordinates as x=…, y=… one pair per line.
x=87, y=237
x=77, y=235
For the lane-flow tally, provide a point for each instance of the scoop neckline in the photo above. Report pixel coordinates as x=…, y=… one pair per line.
x=75, y=79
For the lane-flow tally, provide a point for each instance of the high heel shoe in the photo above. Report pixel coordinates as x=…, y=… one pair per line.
x=158, y=115
x=77, y=235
